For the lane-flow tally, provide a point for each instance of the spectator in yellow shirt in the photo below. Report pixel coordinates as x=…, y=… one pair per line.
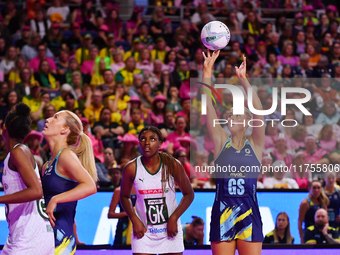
x=82, y=53
x=59, y=102
x=134, y=52
x=125, y=74
x=14, y=75
x=159, y=52
x=107, y=51
x=98, y=78
x=92, y=113
x=36, y=102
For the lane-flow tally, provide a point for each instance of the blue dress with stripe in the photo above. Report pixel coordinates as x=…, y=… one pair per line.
x=235, y=213
x=54, y=184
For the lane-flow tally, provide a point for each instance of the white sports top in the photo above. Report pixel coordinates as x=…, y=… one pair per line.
x=153, y=207
x=26, y=221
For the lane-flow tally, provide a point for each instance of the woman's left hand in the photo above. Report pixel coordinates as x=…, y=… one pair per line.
x=50, y=209
x=241, y=71
x=172, y=227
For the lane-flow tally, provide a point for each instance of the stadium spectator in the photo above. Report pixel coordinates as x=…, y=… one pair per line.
x=36, y=62
x=280, y=151
x=87, y=66
x=57, y=7
x=311, y=127
x=314, y=154
x=8, y=63
x=326, y=138
x=114, y=23
x=316, y=199
x=33, y=141
x=10, y=100
x=47, y=78
x=118, y=63
x=279, y=181
x=129, y=149
x=107, y=129
x=299, y=171
x=40, y=24
x=281, y=233
x=48, y=112
x=180, y=124
x=82, y=53
x=193, y=233
x=331, y=190
x=321, y=232
x=23, y=88
x=137, y=122
x=97, y=144
x=202, y=167
x=181, y=155
x=328, y=116
x=92, y=113
x=84, y=16
x=125, y=74
x=103, y=168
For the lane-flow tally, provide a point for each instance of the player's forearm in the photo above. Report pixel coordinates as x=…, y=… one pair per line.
x=128, y=209
x=81, y=191
x=24, y=196
x=329, y=239
x=256, y=100
x=184, y=204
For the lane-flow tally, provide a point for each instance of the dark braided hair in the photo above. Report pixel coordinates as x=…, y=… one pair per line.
x=18, y=122
x=169, y=161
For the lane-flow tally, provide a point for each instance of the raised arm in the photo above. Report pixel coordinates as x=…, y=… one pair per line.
x=128, y=177
x=217, y=134
x=258, y=132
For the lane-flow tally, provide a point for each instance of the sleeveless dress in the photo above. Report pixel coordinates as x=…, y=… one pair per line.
x=235, y=213
x=333, y=208
x=309, y=217
x=54, y=184
x=153, y=208
x=30, y=231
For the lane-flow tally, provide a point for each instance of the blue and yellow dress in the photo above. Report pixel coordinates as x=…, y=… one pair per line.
x=235, y=213
x=54, y=184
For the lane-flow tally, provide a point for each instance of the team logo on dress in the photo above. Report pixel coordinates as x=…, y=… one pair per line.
x=247, y=150
x=142, y=180
x=156, y=211
x=41, y=205
x=227, y=146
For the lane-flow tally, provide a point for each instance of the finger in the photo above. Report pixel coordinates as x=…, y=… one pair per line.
x=205, y=57
x=209, y=53
x=51, y=221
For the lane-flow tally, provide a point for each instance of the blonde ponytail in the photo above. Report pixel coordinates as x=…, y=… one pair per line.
x=84, y=151
x=80, y=144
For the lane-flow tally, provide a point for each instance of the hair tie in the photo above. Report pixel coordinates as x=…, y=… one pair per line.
x=80, y=134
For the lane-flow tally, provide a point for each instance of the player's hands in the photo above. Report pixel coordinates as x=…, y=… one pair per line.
x=325, y=229
x=138, y=228
x=50, y=209
x=172, y=227
x=210, y=59
x=241, y=71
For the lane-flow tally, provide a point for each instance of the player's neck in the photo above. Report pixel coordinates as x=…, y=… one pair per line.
x=151, y=161
x=55, y=146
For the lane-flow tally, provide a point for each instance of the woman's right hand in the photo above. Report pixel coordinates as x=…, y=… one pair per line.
x=210, y=59
x=138, y=228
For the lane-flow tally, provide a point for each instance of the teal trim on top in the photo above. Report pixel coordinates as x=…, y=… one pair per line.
x=56, y=164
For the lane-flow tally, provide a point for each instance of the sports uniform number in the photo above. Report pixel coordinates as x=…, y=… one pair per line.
x=156, y=211
x=236, y=187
